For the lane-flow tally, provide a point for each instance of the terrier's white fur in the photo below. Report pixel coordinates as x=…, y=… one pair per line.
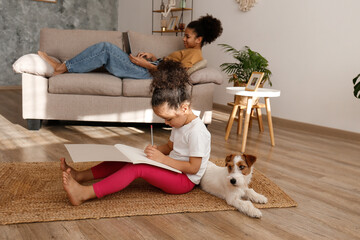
x=232, y=183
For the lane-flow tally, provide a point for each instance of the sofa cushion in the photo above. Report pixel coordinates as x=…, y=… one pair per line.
x=136, y=88
x=206, y=75
x=160, y=46
x=66, y=44
x=86, y=84
x=33, y=64
x=197, y=66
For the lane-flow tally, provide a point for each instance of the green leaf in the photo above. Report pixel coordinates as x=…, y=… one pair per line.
x=247, y=61
x=356, y=87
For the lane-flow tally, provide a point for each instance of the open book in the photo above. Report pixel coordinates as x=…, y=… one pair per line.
x=116, y=153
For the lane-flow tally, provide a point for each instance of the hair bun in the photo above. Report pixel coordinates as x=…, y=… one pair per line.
x=209, y=28
x=169, y=85
x=170, y=75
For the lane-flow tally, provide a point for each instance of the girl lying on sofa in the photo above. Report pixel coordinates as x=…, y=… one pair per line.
x=198, y=33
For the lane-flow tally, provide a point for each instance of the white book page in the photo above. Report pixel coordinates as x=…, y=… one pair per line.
x=95, y=153
x=137, y=156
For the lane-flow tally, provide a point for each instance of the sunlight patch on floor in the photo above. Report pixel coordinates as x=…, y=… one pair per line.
x=104, y=132
x=133, y=129
x=27, y=139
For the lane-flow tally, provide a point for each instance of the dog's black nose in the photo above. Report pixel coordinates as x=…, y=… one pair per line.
x=233, y=181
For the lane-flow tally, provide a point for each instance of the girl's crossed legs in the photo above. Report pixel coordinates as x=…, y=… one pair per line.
x=117, y=176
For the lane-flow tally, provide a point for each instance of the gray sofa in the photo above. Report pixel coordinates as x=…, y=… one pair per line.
x=100, y=96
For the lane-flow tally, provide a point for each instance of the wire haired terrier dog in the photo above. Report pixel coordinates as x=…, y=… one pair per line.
x=232, y=183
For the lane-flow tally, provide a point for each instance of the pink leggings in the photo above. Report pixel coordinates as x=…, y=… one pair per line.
x=118, y=175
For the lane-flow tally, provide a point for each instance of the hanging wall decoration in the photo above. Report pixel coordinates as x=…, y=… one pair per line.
x=245, y=5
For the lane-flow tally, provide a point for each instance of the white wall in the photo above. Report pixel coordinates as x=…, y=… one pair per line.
x=312, y=47
x=134, y=15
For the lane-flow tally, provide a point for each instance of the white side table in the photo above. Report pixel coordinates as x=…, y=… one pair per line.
x=266, y=93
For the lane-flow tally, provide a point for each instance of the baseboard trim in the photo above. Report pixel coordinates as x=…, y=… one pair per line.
x=14, y=87
x=316, y=128
x=299, y=125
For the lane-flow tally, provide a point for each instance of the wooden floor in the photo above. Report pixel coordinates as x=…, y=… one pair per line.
x=317, y=167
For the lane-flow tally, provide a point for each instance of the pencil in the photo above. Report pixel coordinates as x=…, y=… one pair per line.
x=152, y=135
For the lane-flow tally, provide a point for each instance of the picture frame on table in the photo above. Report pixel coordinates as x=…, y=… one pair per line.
x=254, y=81
x=172, y=23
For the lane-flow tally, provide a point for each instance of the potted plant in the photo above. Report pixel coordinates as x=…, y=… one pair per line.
x=356, y=86
x=248, y=61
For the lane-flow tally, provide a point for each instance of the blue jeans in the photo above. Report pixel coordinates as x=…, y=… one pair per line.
x=115, y=60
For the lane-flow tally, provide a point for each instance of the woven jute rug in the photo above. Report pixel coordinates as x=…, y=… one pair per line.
x=33, y=192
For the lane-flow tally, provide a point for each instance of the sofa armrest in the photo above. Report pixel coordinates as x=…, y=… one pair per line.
x=197, y=66
x=206, y=75
x=34, y=96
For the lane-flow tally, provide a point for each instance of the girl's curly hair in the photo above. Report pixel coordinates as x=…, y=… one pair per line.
x=207, y=27
x=170, y=84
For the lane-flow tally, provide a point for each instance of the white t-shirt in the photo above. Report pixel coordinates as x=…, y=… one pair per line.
x=192, y=140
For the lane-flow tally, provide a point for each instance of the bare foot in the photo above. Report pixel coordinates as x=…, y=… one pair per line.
x=58, y=67
x=76, y=192
x=48, y=59
x=64, y=167
x=79, y=176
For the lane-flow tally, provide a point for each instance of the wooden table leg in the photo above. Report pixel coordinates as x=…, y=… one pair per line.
x=240, y=119
x=246, y=123
x=251, y=117
x=268, y=112
x=259, y=116
x=231, y=119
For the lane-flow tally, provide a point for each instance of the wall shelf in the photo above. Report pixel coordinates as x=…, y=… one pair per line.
x=177, y=12
x=167, y=31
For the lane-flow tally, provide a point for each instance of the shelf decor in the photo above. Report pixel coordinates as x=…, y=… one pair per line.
x=172, y=23
x=163, y=25
x=180, y=16
x=182, y=4
x=168, y=8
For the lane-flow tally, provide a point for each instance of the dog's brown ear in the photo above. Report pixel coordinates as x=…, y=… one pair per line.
x=228, y=159
x=249, y=159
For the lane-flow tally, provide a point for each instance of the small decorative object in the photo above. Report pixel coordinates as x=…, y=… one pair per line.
x=168, y=7
x=181, y=23
x=182, y=4
x=163, y=24
x=245, y=5
x=248, y=61
x=181, y=26
x=172, y=23
x=356, y=82
x=162, y=6
x=254, y=81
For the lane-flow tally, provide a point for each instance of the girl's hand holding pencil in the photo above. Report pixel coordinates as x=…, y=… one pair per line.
x=153, y=153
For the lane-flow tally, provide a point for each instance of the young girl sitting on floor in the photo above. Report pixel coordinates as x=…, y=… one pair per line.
x=187, y=150
x=198, y=33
